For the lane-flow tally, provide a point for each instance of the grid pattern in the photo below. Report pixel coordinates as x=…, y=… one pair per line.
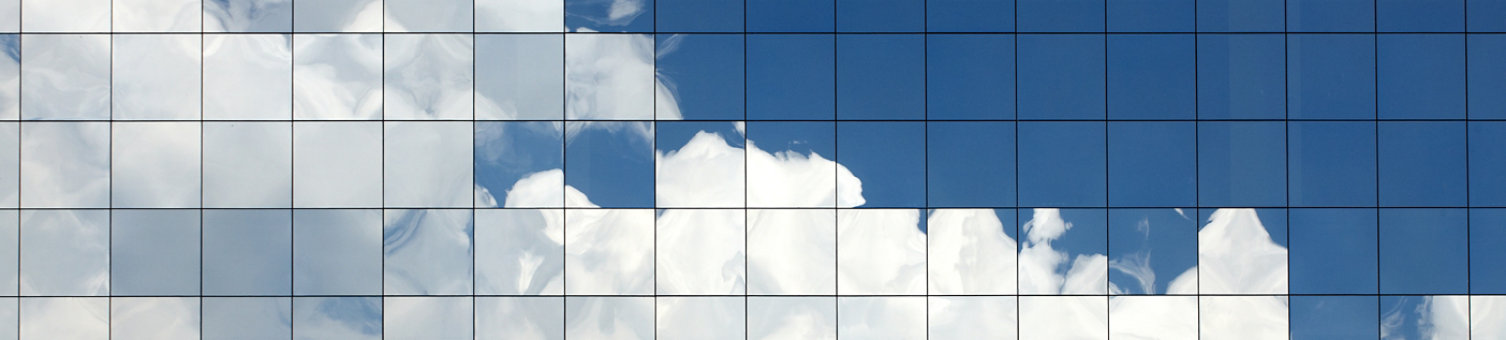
x=459, y=169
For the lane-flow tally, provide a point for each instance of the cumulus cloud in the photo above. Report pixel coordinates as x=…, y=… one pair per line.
x=706, y=172
x=157, y=15
x=428, y=76
x=66, y=16
x=337, y=318
x=692, y=318
x=1153, y=317
x=10, y=73
x=700, y=252
x=609, y=251
x=881, y=317
x=163, y=79
x=66, y=76
x=10, y=164
x=248, y=16
x=523, y=252
x=155, y=318
x=65, y=252
x=427, y=15
x=970, y=253
x=521, y=76
x=611, y=76
x=520, y=15
x=66, y=318
x=338, y=16
x=156, y=165
x=792, y=251
x=339, y=252
x=792, y=179
x=252, y=317
x=1039, y=261
x=1487, y=317
x=609, y=318
x=520, y=318
x=427, y=252
x=426, y=317
x=337, y=76
x=248, y=76
x=427, y=164
x=881, y=252
x=1237, y=256
x=248, y=165
x=1064, y=317
x=336, y=164
x=777, y=318
x=1427, y=317
x=973, y=317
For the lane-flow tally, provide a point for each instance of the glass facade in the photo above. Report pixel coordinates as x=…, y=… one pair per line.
x=752, y=169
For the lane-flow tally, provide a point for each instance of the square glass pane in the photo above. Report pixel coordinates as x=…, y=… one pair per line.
x=1487, y=316
x=1152, y=251
x=1241, y=164
x=1487, y=249
x=10, y=165
x=248, y=252
x=66, y=16
x=1062, y=164
x=339, y=252
x=700, y=252
x=1240, y=15
x=10, y=75
x=1153, y=317
x=609, y=252
x=427, y=252
x=520, y=76
x=354, y=318
x=155, y=252
x=1423, y=164
x=609, y=16
x=1241, y=76
x=156, y=165
x=1333, y=251
x=1331, y=76
x=899, y=234
x=700, y=317
x=610, y=76
x=791, y=76
x=1486, y=156
x=1152, y=164
x=248, y=165
x=427, y=164
x=1421, y=15
x=259, y=317
x=889, y=158
x=337, y=164
x=1330, y=15
x=1059, y=15
x=881, y=15
x=790, y=165
x=1243, y=251
x=337, y=76
x=791, y=15
x=1420, y=317
x=1062, y=252
x=520, y=15
x=1424, y=251
x=65, y=165
x=881, y=76
x=1151, y=15
x=428, y=76
x=532, y=318
x=157, y=15
x=520, y=251
x=882, y=317
x=1064, y=317
x=67, y=76
x=612, y=163
x=519, y=164
x=792, y=252
x=248, y=76
x=772, y=318
x=167, y=318
x=158, y=78
x=248, y=16
x=970, y=76
x=71, y=317
x=1421, y=76
x=609, y=317
x=969, y=15
x=699, y=165
x=338, y=16
x=1061, y=76
x=1152, y=76
x=1335, y=317
x=699, y=15
x=1331, y=163
x=65, y=252
x=973, y=252
x=1484, y=70
x=703, y=73
x=10, y=259
x=970, y=164
x=410, y=317
x=982, y=317
x=427, y=15
x=1261, y=317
